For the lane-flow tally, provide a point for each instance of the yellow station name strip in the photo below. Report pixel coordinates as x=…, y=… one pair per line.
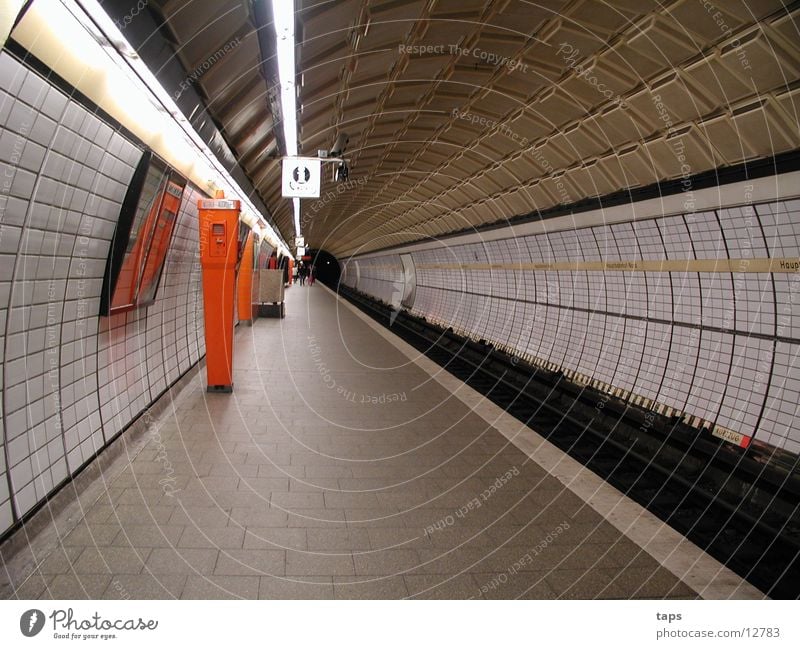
x=774, y=265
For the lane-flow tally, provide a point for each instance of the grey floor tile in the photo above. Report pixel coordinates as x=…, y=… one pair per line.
x=444, y=561
x=201, y=517
x=99, y=513
x=145, y=586
x=264, y=486
x=227, y=538
x=33, y=587
x=141, y=515
x=386, y=538
x=337, y=538
x=310, y=587
x=61, y=560
x=261, y=516
x=316, y=518
x=386, y=562
x=445, y=586
x=351, y=501
x=309, y=564
x=391, y=587
x=579, y=584
x=112, y=561
x=313, y=485
x=292, y=501
x=96, y=534
x=513, y=585
x=643, y=583
x=181, y=561
x=83, y=586
x=251, y=562
x=279, y=489
x=275, y=538
x=220, y=587
x=149, y=536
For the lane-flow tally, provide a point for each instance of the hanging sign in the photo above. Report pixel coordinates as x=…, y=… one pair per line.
x=301, y=178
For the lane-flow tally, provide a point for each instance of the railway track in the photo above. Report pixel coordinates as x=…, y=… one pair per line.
x=740, y=507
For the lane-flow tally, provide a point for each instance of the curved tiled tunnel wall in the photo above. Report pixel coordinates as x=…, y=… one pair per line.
x=720, y=346
x=71, y=381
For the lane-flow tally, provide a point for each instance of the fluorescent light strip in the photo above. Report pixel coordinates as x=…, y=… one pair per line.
x=138, y=98
x=225, y=181
x=283, y=21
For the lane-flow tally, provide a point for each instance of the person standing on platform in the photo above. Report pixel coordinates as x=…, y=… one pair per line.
x=311, y=271
x=301, y=273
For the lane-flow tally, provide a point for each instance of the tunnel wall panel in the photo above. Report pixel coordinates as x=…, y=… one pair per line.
x=718, y=345
x=71, y=380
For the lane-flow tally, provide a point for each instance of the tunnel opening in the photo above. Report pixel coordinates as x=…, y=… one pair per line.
x=326, y=267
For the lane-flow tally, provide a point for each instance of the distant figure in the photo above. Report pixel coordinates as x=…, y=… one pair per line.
x=311, y=272
x=302, y=273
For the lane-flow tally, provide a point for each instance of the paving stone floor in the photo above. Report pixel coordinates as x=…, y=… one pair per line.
x=336, y=469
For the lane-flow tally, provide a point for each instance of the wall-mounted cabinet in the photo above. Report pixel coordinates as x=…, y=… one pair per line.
x=142, y=237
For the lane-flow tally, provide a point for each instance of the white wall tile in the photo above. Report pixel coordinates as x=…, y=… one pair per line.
x=63, y=236
x=653, y=346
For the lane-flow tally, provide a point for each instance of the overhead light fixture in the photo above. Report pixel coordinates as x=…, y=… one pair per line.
x=79, y=41
x=283, y=21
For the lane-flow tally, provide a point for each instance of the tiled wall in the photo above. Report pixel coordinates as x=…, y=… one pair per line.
x=723, y=347
x=71, y=380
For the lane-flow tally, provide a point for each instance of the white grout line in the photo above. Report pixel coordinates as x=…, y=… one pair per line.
x=689, y=563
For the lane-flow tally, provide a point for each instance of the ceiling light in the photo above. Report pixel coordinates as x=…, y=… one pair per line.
x=283, y=21
x=81, y=43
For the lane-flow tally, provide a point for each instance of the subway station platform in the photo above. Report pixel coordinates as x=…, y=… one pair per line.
x=344, y=466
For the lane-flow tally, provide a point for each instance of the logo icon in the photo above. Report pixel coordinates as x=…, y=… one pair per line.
x=31, y=622
x=299, y=171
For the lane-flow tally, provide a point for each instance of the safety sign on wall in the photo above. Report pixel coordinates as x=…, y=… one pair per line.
x=301, y=177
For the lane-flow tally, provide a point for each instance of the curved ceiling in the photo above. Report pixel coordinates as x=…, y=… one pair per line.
x=465, y=112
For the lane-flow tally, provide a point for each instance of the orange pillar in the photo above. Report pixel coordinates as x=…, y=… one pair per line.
x=244, y=283
x=219, y=226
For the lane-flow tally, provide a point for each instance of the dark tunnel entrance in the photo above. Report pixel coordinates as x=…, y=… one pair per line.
x=326, y=267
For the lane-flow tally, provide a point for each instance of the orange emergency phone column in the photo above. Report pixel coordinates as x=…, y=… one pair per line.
x=219, y=230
